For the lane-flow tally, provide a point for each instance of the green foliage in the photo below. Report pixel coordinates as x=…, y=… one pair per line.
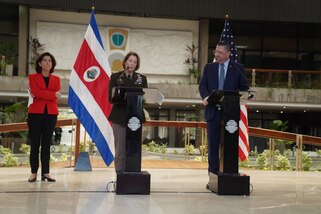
x=52, y=158
x=254, y=154
x=71, y=150
x=263, y=160
x=9, y=50
x=63, y=157
x=282, y=163
x=306, y=162
x=82, y=147
x=200, y=158
x=36, y=48
x=245, y=163
x=9, y=113
x=24, y=148
x=318, y=151
x=4, y=151
x=192, y=61
x=203, y=149
x=189, y=149
x=175, y=152
x=154, y=147
x=287, y=152
x=60, y=148
x=10, y=160
x=91, y=147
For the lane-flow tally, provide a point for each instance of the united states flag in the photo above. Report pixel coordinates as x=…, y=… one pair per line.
x=243, y=131
x=88, y=91
x=244, y=148
x=228, y=36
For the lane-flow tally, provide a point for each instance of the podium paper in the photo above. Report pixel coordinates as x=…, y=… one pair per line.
x=152, y=95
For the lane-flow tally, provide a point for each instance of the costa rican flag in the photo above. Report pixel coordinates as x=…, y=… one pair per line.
x=244, y=149
x=88, y=91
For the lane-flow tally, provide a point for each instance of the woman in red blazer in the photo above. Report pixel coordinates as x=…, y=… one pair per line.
x=42, y=114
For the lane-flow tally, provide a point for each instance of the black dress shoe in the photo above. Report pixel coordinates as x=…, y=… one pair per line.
x=207, y=186
x=32, y=179
x=43, y=178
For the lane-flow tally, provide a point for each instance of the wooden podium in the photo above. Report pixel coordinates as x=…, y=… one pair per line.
x=228, y=181
x=133, y=180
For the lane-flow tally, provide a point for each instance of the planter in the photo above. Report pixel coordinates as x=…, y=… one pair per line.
x=193, y=80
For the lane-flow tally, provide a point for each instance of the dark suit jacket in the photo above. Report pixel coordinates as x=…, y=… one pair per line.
x=118, y=112
x=44, y=96
x=235, y=80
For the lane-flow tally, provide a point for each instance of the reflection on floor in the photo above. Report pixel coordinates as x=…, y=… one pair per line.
x=172, y=191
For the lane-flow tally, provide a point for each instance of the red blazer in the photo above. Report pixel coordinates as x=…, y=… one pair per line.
x=44, y=96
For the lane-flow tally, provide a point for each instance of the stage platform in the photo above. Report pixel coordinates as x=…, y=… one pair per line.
x=179, y=188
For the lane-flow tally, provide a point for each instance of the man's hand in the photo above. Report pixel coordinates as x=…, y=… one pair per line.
x=205, y=103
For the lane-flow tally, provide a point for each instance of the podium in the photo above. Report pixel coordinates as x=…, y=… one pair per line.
x=228, y=181
x=133, y=180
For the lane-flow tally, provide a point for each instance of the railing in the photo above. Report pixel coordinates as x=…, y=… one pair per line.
x=13, y=127
x=284, y=78
x=257, y=132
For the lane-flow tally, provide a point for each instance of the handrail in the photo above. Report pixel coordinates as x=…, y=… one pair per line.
x=253, y=131
x=13, y=127
x=261, y=70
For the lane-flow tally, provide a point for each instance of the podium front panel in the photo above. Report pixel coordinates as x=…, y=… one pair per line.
x=230, y=117
x=134, y=131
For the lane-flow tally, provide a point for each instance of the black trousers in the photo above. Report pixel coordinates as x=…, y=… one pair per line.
x=213, y=137
x=41, y=127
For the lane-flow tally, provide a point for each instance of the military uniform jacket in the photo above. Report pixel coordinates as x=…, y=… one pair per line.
x=118, y=112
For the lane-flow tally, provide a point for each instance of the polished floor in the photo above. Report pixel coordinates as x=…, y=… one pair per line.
x=172, y=191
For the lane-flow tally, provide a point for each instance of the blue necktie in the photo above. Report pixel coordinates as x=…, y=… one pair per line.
x=222, y=77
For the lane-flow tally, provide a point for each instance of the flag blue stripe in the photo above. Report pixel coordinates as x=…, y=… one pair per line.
x=94, y=26
x=91, y=127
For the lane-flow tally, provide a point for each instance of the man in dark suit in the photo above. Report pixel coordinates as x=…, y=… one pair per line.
x=223, y=74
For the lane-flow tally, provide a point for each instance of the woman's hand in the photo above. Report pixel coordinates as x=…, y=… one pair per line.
x=58, y=94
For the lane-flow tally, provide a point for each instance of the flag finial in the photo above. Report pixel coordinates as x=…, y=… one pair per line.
x=93, y=8
x=226, y=16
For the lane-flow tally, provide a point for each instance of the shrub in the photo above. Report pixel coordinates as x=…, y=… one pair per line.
x=189, y=150
x=24, y=148
x=282, y=163
x=10, y=160
x=306, y=162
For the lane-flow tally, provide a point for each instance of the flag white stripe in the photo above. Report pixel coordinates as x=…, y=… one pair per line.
x=91, y=105
x=97, y=50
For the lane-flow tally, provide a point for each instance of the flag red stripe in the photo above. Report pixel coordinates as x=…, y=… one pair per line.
x=99, y=87
x=243, y=137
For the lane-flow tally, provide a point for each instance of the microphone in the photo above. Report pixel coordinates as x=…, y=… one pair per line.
x=250, y=95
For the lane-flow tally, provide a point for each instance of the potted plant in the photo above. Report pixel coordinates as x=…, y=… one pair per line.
x=9, y=56
x=36, y=48
x=192, y=61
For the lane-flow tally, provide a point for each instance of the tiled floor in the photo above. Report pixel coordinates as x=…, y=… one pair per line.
x=172, y=191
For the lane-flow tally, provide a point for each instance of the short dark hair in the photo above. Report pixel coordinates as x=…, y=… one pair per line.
x=40, y=58
x=225, y=44
x=132, y=53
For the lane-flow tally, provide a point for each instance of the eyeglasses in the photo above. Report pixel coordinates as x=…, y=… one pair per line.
x=219, y=52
